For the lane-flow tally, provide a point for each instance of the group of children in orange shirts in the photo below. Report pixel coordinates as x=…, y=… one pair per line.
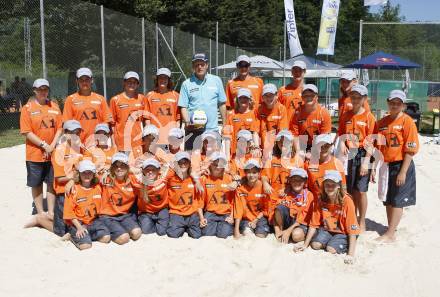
x=273, y=169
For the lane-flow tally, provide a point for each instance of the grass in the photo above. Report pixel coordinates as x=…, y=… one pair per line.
x=10, y=137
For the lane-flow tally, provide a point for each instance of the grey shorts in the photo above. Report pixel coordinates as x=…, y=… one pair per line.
x=335, y=240
x=118, y=225
x=404, y=195
x=96, y=230
x=356, y=182
x=59, y=225
x=39, y=172
x=217, y=226
x=179, y=224
x=261, y=228
x=288, y=220
x=155, y=222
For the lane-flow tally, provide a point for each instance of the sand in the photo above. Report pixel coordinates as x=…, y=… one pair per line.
x=36, y=263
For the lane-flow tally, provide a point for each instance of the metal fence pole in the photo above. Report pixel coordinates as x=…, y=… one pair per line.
x=216, y=48
x=172, y=53
x=210, y=55
x=104, y=82
x=144, y=67
x=284, y=55
x=157, y=47
x=43, y=40
x=172, y=38
x=361, y=23
x=194, y=44
x=224, y=58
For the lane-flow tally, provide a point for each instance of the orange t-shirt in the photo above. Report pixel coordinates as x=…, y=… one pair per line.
x=277, y=170
x=127, y=116
x=102, y=158
x=118, y=199
x=336, y=218
x=64, y=161
x=217, y=198
x=240, y=121
x=301, y=206
x=236, y=164
x=254, y=84
x=274, y=120
x=158, y=195
x=250, y=202
x=310, y=124
x=344, y=105
x=82, y=204
x=42, y=120
x=357, y=126
x=182, y=197
x=291, y=98
x=88, y=110
x=401, y=137
x=316, y=174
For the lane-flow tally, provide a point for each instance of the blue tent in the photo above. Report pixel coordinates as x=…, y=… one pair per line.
x=381, y=60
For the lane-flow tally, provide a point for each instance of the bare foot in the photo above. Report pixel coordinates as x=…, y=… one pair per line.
x=386, y=239
x=66, y=237
x=362, y=227
x=33, y=222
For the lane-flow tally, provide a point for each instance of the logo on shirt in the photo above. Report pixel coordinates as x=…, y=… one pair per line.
x=411, y=145
x=360, y=123
x=97, y=196
x=194, y=90
x=35, y=112
x=53, y=111
x=155, y=100
x=95, y=102
x=252, y=86
x=78, y=102
x=172, y=100
x=122, y=106
x=398, y=127
x=209, y=186
x=354, y=227
x=81, y=199
x=316, y=121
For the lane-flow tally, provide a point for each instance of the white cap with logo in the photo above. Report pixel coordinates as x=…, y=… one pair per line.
x=163, y=71
x=131, y=74
x=284, y=133
x=217, y=156
x=121, y=157
x=252, y=163
x=40, y=82
x=86, y=165
x=362, y=90
x=182, y=155
x=244, y=134
x=71, y=125
x=176, y=133
x=397, y=94
x=150, y=162
x=333, y=175
x=150, y=130
x=243, y=58
x=298, y=172
x=348, y=75
x=102, y=127
x=300, y=64
x=326, y=138
x=310, y=87
x=243, y=92
x=84, y=72
x=269, y=88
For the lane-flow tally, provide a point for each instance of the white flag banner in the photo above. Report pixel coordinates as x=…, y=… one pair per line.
x=365, y=77
x=374, y=2
x=292, y=33
x=327, y=31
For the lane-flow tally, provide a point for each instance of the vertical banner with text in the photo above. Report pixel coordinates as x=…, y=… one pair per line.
x=327, y=31
x=292, y=33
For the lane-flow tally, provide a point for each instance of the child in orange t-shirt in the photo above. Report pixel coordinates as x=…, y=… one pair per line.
x=81, y=209
x=153, y=214
x=218, y=198
x=336, y=218
x=295, y=208
x=251, y=203
x=185, y=205
x=119, y=194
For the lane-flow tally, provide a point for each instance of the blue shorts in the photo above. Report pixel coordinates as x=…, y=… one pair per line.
x=96, y=230
x=59, y=225
x=217, y=226
x=405, y=195
x=120, y=224
x=356, y=182
x=39, y=172
x=261, y=228
x=179, y=224
x=337, y=241
x=155, y=222
x=288, y=220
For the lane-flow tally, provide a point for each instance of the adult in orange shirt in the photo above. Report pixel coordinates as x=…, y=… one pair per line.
x=294, y=210
x=355, y=129
x=401, y=144
x=346, y=82
x=290, y=95
x=119, y=194
x=127, y=114
x=251, y=203
x=336, y=218
x=311, y=119
x=40, y=122
x=322, y=160
x=81, y=209
x=153, y=214
x=185, y=205
x=85, y=106
x=242, y=117
x=243, y=80
x=218, y=198
x=273, y=117
x=161, y=107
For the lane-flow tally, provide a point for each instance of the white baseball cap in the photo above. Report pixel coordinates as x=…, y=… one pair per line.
x=150, y=130
x=121, y=157
x=217, y=156
x=245, y=134
x=326, y=138
x=333, y=175
x=176, y=132
x=40, y=82
x=284, y=133
x=298, y=172
x=84, y=72
x=131, y=74
x=243, y=92
x=310, y=87
x=269, y=88
x=71, y=125
x=86, y=165
x=348, y=75
x=243, y=58
x=362, y=90
x=300, y=64
x=182, y=155
x=163, y=71
x=102, y=127
x=210, y=134
x=397, y=94
x=251, y=163
x=150, y=162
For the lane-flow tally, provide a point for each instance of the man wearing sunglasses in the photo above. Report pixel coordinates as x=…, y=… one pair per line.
x=243, y=80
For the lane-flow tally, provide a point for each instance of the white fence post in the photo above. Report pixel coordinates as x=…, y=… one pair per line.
x=43, y=40
x=104, y=82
